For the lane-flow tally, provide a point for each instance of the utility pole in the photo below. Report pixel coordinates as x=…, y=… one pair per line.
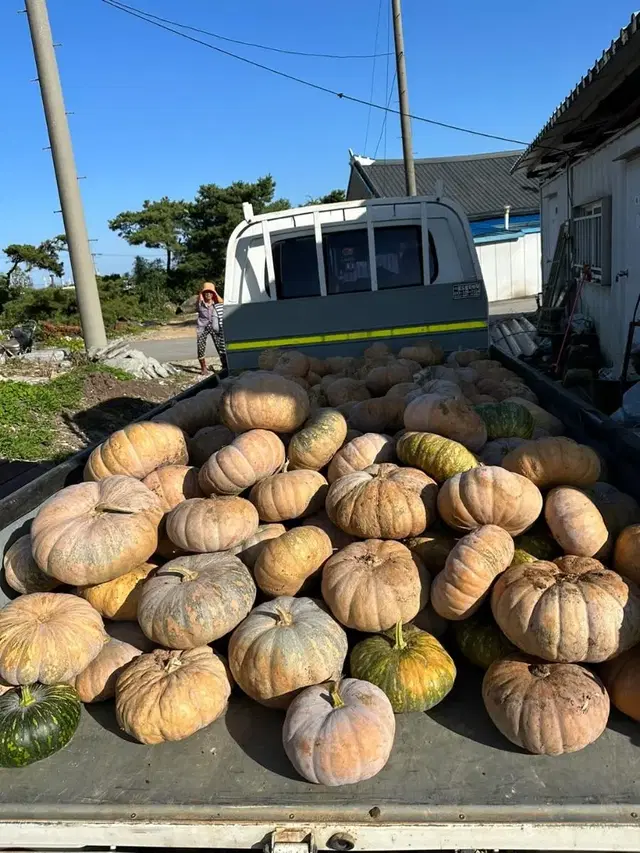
x=66, y=175
x=403, y=98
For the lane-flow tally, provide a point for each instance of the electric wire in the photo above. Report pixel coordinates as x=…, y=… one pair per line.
x=373, y=74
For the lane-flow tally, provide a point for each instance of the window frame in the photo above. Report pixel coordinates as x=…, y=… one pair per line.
x=591, y=240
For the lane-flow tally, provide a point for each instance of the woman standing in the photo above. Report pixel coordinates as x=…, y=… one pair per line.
x=209, y=322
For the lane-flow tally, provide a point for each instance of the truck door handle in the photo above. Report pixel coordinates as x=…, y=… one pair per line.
x=622, y=274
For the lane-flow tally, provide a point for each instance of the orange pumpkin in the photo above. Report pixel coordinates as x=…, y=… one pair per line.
x=173, y=484
x=137, y=450
x=205, y=525
x=292, y=494
x=249, y=458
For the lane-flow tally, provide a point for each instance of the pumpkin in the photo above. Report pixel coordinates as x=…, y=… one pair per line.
x=487, y=365
x=318, y=398
x=377, y=415
x=480, y=640
x=450, y=418
x=377, y=350
x=292, y=494
x=169, y=695
x=118, y=598
x=402, y=389
x=286, y=564
x=268, y=358
x=130, y=633
x=212, y=524
x=318, y=366
x=358, y=454
x=489, y=495
x=97, y=682
x=249, y=458
x=575, y=522
x=536, y=544
x=465, y=357
x=193, y=413
x=441, y=387
x=339, y=539
x=346, y=390
x=494, y=451
x=411, y=667
x=432, y=549
x=318, y=733
x=249, y=550
x=92, y=532
x=371, y=585
x=495, y=385
x=206, y=441
x=506, y=420
x=383, y=502
x=554, y=461
x=291, y=363
x=137, y=450
x=283, y=646
x=621, y=677
x=380, y=379
x=21, y=571
x=315, y=445
x=430, y=621
x=471, y=567
x=547, y=709
x=48, y=637
x=313, y=379
x=173, y=484
x=618, y=509
x=437, y=456
x=339, y=363
x=425, y=353
x=541, y=417
x=264, y=401
x=571, y=610
x=626, y=554
x=36, y=721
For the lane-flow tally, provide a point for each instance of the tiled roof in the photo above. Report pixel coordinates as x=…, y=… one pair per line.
x=481, y=183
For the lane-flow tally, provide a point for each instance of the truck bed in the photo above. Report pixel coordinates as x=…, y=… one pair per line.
x=452, y=782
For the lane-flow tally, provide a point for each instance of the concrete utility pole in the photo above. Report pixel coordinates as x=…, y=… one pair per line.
x=66, y=176
x=403, y=97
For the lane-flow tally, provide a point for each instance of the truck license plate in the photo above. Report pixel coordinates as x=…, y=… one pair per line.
x=466, y=291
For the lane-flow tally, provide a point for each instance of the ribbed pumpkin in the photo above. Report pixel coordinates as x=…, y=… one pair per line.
x=212, y=524
x=283, y=646
x=440, y=387
x=97, y=682
x=173, y=484
x=339, y=539
x=118, y=598
x=379, y=415
x=480, y=640
x=502, y=389
x=575, y=522
x=287, y=564
x=291, y=362
x=555, y=461
x=169, y=695
x=249, y=550
x=206, y=441
x=494, y=451
x=137, y=450
x=315, y=445
x=471, y=567
x=541, y=417
x=21, y=571
x=371, y=585
x=437, y=456
x=410, y=667
x=621, y=677
x=267, y=358
x=506, y=420
x=571, y=610
x=489, y=495
x=48, y=637
x=465, y=357
x=361, y=452
x=380, y=379
x=318, y=733
x=195, y=600
x=194, y=413
x=264, y=401
x=401, y=390
x=425, y=353
x=92, y=532
x=36, y=721
x=432, y=548
x=547, y=709
x=626, y=555
x=346, y=390
x=249, y=458
x=292, y=494
x=453, y=419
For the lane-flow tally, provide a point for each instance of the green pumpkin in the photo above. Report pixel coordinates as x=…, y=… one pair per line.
x=437, y=456
x=534, y=546
x=432, y=547
x=506, y=420
x=409, y=665
x=36, y=721
x=481, y=641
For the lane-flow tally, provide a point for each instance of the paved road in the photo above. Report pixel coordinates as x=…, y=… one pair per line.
x=183, y=349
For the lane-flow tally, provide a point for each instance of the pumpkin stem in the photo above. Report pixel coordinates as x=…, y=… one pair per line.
x=540, y=670
x=400, y=640
x=284, y=617
x=336, y=699
x=26, y=696
x=107, y=507
x=185, y=574
x=173, y=662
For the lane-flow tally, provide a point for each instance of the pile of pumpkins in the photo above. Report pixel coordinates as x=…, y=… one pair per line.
x=329, y=524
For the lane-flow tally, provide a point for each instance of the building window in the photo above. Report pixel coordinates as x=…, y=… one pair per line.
x=592, y=240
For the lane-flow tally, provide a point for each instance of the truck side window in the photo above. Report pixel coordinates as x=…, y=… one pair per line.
x=347, y=261
x=296, y=268
x=399, y=257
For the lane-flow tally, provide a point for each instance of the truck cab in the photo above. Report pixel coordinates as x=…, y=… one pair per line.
x=332, y=279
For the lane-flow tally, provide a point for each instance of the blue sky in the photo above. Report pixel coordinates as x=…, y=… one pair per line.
x=154, y=114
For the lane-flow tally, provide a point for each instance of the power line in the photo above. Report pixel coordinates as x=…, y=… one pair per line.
x=136, y=13
x=373, y=72
x=254, y=44
x=383, y=128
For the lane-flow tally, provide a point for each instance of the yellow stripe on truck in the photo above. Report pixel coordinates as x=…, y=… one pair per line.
x=339, y=337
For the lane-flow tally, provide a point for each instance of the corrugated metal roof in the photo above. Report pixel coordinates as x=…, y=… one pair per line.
x=481, y=183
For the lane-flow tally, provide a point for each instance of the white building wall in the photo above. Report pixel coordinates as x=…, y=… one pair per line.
x=610, y=171
x=511, y=268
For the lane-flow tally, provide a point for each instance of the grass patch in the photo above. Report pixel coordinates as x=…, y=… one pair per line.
x=28, y=412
